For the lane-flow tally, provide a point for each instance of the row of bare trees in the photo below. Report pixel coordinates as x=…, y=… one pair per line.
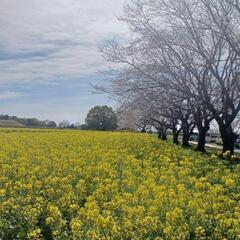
x=180, y=67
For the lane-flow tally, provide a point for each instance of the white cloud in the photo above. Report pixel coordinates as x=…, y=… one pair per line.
x=44, y=39
x=6, y=95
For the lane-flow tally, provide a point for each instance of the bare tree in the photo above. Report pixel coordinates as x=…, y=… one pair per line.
x=179, y=26
x=188, y=49
x=222, y=62
x=134, y=114
x=223, y=19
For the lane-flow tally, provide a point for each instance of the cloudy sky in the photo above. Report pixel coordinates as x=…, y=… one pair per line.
x=49, y=55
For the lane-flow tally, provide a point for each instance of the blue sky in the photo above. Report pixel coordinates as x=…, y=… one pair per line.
x=49, y=55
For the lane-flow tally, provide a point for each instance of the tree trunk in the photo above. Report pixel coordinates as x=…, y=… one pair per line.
x=186, y=137
x=202, y=138
x=143, y=130
x=159, y=133
x=228, y=138
x=162, y=133
x=175, y=136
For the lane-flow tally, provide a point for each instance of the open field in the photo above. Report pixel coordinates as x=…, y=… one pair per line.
x=92, y=185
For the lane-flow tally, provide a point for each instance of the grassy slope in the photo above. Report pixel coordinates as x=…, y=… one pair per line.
x=10, y=123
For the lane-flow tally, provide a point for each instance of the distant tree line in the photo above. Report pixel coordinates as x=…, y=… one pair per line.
x=67, y=125
x=100, y=118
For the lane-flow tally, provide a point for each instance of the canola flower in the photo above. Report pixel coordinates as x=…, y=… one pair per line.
x=90, y=185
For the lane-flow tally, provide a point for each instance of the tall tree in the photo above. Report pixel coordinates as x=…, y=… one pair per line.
x=101, y=118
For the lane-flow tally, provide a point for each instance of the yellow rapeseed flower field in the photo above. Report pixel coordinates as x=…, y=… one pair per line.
x=91, y=185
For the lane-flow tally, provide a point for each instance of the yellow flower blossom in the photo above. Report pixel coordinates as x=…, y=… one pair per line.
x=34, y=234
x=2, y=192
x=230, y=182
x=95, y=185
